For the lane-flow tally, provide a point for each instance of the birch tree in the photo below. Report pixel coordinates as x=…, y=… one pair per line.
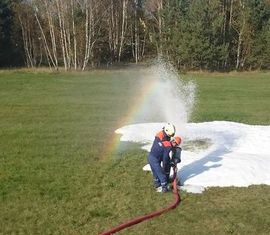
x=205, y=34
x=241, y=27
x=31, y=37
x=116, y=23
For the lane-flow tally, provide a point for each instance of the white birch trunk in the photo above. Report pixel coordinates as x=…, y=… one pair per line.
x=123, y=28
x=160, y=25
x=29, y=61
x=52, y=34
x=61, y=34
x=87, y=37
x=50, y=58
x=240, y=37
x=74, y=36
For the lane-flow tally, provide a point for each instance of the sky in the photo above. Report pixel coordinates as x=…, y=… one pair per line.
x=217, y=153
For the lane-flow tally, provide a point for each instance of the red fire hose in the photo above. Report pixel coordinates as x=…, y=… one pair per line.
x=139, y=219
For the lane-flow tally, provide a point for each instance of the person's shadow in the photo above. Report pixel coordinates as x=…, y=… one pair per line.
x=204, y=164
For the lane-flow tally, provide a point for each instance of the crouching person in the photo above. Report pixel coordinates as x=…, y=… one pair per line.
x=162, y=157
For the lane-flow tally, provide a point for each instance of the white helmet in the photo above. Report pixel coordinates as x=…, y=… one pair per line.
x=169, y=129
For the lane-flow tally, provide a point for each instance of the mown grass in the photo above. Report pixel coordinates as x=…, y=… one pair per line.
x=240, y=97
x=54, y=178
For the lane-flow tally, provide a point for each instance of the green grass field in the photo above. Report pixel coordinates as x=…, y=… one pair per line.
x=55, y=178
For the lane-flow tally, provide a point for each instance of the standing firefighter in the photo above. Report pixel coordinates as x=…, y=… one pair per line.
x=164, y=150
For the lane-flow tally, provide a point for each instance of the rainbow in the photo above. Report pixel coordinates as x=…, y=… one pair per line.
x=138, y=107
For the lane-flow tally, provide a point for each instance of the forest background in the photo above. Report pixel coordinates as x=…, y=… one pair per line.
x=220, y=35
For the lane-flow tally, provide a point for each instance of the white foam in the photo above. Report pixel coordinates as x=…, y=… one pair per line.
x=237, y=154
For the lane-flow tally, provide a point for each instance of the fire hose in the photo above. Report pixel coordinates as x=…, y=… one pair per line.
x=142, y=218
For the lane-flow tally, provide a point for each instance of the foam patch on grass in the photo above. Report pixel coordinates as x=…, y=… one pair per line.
x=222, y=153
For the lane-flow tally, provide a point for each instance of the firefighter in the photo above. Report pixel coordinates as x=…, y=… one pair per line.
x=163, y=151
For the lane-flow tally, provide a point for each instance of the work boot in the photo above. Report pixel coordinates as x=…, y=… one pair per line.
x=159, y=189
x=156, y=183
x=165, y=189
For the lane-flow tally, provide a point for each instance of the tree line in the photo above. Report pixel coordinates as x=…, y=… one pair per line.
x=191, y=34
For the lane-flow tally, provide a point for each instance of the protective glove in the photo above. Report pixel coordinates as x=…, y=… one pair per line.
x=173, y=164
x=175, y=161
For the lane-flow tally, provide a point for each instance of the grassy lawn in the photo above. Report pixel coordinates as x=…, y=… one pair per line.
x=239, y=97
x=55, y=178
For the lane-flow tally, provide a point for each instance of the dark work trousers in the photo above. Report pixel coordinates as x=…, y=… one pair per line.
x=160, y=173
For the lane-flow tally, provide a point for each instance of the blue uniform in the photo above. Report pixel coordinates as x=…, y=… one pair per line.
x=160, y=153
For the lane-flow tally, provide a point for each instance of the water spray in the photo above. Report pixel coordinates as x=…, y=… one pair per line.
x=170, y=99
